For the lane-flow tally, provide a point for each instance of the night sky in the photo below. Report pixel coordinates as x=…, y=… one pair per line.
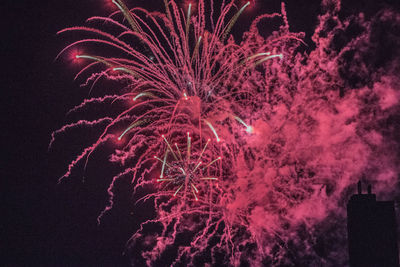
x=43, y=223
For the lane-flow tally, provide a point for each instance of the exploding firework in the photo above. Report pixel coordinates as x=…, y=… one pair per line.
x=186, y=170
x=247, y=151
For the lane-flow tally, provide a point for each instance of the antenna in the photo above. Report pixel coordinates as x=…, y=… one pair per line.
x=369, y=189
x=359, y=187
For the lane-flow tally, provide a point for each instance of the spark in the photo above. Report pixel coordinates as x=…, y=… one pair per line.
x=212, y=162
x=134, y=74
x=127, y=14
x=176, y=192
x=148, y=94
x=169, y=146
x=164, y=163
x=189, y=145
x=133, y=125
x=179, y=152
x=195, y=188
x=194, y=193
x=98, y=59
x=188, y=20
x=267, y=58
x=249, y=128
x=212, y=129
x=164, y=179
x=204, y=149
x=233, y=21
x=198, y=164
x=196, y=49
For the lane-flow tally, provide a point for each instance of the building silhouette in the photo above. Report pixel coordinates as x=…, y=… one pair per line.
x=371, y=226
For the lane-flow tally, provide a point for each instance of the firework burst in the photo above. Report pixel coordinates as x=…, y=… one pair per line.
x=180, y=78
x=186, y=170
x=241, y=148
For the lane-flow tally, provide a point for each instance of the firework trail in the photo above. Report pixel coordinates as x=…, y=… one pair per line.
x=247, y=151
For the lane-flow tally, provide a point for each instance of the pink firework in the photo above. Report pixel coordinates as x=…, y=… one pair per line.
x=249, y=150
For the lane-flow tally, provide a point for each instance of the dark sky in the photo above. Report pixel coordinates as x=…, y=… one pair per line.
x=45, y=224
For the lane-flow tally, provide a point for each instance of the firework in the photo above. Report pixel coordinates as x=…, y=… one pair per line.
x=241, y=148
x=185, y=171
